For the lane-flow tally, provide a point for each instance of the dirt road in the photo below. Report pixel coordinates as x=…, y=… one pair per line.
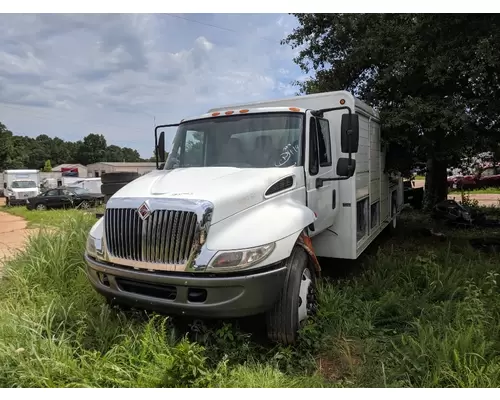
x=13, y=236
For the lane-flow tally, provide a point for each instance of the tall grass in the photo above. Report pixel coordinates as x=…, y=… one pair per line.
x=420, y=313
x=55, y=331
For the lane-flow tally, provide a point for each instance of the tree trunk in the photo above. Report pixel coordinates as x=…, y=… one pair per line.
x=436, y=186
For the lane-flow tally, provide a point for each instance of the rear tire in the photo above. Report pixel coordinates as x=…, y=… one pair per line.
x=84, y=205
x=41, y=207
x=297, y=300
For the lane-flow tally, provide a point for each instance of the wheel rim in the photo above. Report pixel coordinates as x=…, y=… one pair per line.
x=85, y=205
x=40, y=207
x=306, y=296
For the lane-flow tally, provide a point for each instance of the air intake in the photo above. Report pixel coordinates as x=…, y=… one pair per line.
x=283, y=184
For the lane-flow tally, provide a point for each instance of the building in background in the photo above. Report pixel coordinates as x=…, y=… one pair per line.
x=98, y=169
x=77, y=170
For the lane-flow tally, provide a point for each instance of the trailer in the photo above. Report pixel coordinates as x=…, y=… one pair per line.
x=251, y=195
x=93, y=185
x=19, y=185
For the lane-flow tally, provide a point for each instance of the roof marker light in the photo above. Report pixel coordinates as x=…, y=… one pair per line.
x=229, y=112
x=215, y=114
x=244, y=111
x=294, y=109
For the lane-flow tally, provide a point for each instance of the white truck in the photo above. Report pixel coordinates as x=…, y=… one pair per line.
x=249, y=197
x=20, y=184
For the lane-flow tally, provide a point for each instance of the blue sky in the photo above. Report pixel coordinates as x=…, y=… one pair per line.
x=68, y=75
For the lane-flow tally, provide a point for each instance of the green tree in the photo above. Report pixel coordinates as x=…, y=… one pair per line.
x=114, y=153
x=92, y=149
x=6, y=147
x=431, y=76
x=130, y=155
x=47, y=167
x=25, y=152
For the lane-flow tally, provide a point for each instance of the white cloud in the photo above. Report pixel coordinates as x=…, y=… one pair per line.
x=68, y=75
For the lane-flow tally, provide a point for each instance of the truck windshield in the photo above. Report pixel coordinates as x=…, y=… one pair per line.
x=243, y=141
x=23, y=184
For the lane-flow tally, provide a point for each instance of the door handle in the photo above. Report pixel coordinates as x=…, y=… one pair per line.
x=334, y=199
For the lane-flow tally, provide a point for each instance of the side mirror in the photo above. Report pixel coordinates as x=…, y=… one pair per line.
x=346, y=167
x=161, y=147
x=349, y=133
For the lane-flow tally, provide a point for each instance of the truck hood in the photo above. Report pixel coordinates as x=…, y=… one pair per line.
x=230, y=190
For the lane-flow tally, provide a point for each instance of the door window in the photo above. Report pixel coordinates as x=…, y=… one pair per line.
x=52, y=193
x=325, y=148
x=313, y=148
x=66, y=192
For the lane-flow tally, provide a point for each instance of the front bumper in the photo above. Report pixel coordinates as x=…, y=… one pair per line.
x=185, y=294
x=17, y=202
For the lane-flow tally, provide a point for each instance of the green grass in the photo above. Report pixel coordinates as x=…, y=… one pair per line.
x=478, y=191
x=418, y=313
x=53, y=218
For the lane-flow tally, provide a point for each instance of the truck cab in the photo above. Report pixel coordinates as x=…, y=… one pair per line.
x=232, y=224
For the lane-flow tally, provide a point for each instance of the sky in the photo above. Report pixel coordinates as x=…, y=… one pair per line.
x=68, y=75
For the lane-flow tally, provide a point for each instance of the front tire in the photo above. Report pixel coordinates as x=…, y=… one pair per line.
x=41, y=207
x=297, y=301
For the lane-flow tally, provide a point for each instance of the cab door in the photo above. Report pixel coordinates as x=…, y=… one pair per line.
x=323, y=201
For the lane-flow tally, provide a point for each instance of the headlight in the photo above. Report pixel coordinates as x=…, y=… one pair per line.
x=94, y=247
x=240, y=259
x=10, y=193
x=91, y=250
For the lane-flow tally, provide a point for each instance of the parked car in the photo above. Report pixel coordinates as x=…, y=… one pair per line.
x=486, y=178
x=64, y=197
x=467, y=182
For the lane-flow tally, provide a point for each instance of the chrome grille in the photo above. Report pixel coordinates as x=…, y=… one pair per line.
x=165, y=237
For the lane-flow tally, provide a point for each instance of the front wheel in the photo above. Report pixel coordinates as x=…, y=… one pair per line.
x=297, y=301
